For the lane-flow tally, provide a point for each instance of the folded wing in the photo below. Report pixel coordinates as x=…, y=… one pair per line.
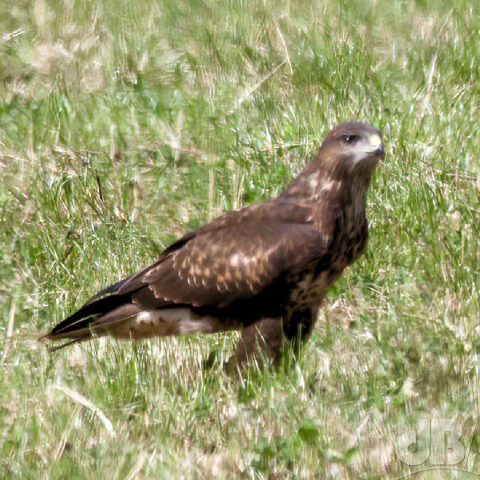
x=232, y=258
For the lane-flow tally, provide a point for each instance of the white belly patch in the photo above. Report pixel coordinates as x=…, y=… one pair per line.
x=172, y=321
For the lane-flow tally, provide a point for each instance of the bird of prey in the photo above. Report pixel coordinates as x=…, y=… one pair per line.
x=263, y=269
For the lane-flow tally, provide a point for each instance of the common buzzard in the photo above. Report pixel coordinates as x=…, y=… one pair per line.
x=263, y=269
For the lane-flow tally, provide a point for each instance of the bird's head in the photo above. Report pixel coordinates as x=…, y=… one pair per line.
x=353, y=148
x=346, y=159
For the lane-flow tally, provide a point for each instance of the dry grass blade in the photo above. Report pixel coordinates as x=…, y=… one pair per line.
x=8, y=337
x=88, y=404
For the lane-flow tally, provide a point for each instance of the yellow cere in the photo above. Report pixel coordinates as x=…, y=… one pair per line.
x=375, y=141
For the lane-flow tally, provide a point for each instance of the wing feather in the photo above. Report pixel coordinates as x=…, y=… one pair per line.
x=232, y=258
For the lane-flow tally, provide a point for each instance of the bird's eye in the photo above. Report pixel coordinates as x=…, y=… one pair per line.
x=349, y=138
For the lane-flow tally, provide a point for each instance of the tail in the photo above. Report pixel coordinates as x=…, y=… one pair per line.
x=96, y=317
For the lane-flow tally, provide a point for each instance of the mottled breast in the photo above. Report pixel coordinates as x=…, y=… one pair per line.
x=309, y=287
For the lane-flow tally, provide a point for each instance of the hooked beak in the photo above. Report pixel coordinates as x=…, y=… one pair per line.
x=377, y=145
x=379, y=151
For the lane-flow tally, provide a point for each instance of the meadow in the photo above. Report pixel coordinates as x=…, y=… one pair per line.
x=125, y=124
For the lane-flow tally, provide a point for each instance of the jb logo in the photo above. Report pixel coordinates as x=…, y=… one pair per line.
x=435, y=443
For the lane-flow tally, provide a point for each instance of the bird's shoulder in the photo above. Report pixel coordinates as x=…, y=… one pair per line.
x=271, y=212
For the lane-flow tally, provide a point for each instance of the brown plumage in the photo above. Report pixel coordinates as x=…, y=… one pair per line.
x=264, y=268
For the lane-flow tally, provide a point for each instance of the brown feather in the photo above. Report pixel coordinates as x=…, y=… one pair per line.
x=271, y=260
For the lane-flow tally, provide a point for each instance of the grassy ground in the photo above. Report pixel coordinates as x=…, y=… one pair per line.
x=124, y=124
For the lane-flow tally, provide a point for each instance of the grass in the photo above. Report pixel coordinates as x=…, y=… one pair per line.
x=125, y=124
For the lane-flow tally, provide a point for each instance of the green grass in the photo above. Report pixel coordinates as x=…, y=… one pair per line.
x=125, y=124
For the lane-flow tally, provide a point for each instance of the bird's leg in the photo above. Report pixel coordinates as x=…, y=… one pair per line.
x=260, y=340
x=298, y=327
x=266, y=338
